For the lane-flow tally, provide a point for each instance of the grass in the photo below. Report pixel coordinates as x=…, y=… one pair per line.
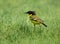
x=14, y=26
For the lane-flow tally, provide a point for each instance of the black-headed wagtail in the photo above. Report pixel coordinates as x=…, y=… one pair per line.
x=34, y=19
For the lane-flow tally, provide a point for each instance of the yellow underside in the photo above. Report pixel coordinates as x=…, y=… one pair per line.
x=35, y=22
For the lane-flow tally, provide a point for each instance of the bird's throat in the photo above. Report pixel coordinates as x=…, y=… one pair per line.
x=30, y=15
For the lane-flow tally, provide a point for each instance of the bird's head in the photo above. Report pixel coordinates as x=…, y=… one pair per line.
x=31, y=12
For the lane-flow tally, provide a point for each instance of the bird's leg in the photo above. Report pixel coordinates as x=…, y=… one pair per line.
x=40, y=27
x=34, y=27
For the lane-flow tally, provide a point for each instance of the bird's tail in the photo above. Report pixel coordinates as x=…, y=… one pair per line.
x=44, y=24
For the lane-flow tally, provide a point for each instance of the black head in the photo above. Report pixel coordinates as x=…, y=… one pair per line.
x=31, y=12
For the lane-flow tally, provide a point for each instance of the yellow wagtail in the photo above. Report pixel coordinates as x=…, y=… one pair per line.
x=34, y=19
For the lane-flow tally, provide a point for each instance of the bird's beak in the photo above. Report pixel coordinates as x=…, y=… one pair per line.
x=25, y=12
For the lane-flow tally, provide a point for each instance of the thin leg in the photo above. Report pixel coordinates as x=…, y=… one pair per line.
x=34, y=26
x=40, y=27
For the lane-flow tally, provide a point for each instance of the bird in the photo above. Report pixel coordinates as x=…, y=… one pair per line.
x=35, y=19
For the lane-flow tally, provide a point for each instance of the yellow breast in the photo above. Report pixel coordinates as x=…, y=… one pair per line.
x=32, y=17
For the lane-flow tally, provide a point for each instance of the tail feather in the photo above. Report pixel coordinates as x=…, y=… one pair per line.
x=44, y=24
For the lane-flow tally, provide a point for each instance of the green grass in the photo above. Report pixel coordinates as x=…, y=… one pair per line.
x=14, y=26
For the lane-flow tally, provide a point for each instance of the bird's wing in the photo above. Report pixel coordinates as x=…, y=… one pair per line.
x=35, y=18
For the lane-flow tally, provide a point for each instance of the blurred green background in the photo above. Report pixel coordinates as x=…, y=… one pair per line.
x=15, y=28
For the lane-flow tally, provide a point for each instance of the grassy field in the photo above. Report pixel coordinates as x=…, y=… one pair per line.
x=14, y=26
